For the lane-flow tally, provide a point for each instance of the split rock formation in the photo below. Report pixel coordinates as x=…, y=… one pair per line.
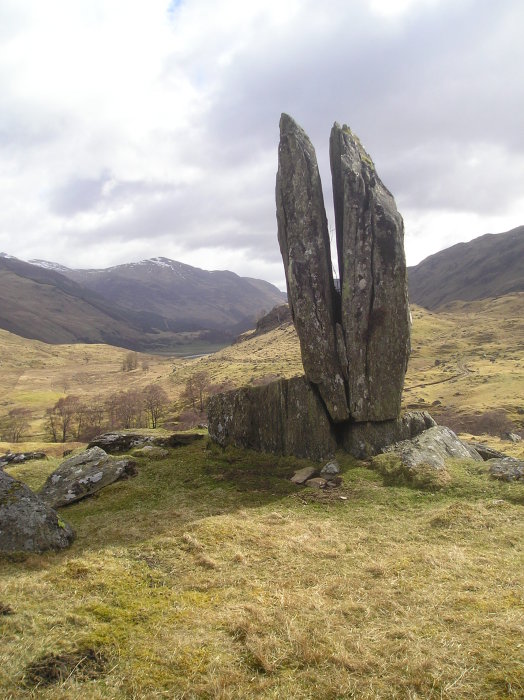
x=354, y=343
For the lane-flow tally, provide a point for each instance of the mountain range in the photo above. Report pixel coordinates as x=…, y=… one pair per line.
x=143, y=306
x=153, y=305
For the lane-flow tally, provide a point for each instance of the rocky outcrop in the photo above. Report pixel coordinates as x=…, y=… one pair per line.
x=19, y=457
x=286, y=417
x=304, y=243
x=354, y=345
x=364, y=440
x=507, y=469
x=27, y=524
x=118, y=442
x=421, y=461
x=83, y=475
x=373, y=279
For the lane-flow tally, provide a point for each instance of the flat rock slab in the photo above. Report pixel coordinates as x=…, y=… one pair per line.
x=151, y=451
x=19, y=457
x=285, y=418
x=83, y=475
x=486, y=452
x=302, y=475
x=27, y=524
x=507, y=469
x=115, y=442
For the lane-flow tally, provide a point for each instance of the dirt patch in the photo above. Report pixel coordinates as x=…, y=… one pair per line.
x=84, y=664
x=6, y=609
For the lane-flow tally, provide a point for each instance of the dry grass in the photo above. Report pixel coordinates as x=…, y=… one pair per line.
x=211, y=576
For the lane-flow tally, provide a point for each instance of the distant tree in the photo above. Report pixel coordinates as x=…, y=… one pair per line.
x=130, y=362
x=61, y=417
x=89, y=419
x=126, y=410
x=155, y=401
x=15, y=424
x=196, y=390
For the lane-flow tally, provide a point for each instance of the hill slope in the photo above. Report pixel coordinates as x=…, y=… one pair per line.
x=43, y=304
x=486, y=267
x=181, y=297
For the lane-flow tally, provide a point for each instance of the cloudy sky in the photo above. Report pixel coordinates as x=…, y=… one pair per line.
x=138, y=128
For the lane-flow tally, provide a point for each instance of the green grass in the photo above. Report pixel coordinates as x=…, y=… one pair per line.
x=210, y=575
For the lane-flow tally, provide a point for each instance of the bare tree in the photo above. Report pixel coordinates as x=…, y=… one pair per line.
x=15, y=424
x=155, y=401
x=60, y=418
x=126, y=409
x=196, y=390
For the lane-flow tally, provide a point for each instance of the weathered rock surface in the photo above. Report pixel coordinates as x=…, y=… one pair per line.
x=116, y=442
x=19, y=457
x=151, y=451
x=304, y=243
x=366, y=439
x=302, y=475
x=372, y=267
x=83, y=475
x=330, y=470
x=507, y=469
x=27, y=524
x=485, y=452
x=433, y=447
x=286, y=418
x=421, y=461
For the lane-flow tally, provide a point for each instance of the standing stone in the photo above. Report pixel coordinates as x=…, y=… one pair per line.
x=372, y=267
x=304, y=242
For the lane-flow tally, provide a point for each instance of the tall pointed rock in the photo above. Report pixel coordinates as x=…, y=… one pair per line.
x=304, y=243
x=372, y=266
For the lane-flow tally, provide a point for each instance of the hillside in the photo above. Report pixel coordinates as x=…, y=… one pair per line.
x=43, y=304
x=179, y=297
x=158, y=305
x=486, y=267
x=466, y=363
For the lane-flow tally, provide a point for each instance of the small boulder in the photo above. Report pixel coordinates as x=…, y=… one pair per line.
x=151, y=451
x=421, y=461
x=485, y=452
x=19, y=457
x=119, y=442
x=302, y=475
x=507, y=469
x=513, y=437
x=27, y=524
x=84, y=475
x=316, y=483
x=330, y=470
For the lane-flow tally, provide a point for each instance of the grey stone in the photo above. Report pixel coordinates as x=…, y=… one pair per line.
x=485, y=452
x=286, y=418
x=304, y=243
x=302, y=475
x=366, y=439
x=83, y=475
x=118, y=442
x=19, y=457
x=329, y=470
x=433, y=446
x=316, y=483
x=27, y=524
x=151, y=451
x=513, y=437
x=372, y=268
x=507, y=469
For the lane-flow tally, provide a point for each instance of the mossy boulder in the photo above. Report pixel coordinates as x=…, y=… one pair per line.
x=27, y=524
